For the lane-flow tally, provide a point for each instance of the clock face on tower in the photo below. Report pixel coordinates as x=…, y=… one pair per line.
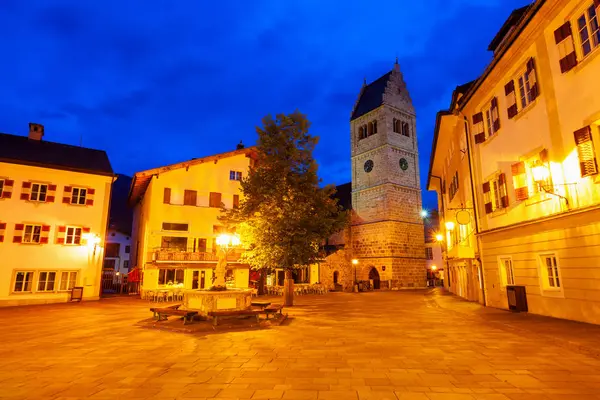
x=368, y=166
x=403, y=164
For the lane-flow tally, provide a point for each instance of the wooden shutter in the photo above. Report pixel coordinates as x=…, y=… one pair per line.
x=50, y=196
x=8, y=188
x=18, y=236
x=563, y=37
x=61, y=234
x=511, y=99
x=478, y=129
x=503, y=191
x=68, y=189
x=167, y=196
x=89, y=202
x=2, y=229
x=487, y=198
x=520, y=181
x=236, y=200
x=531, y=77
x=215, y=199
x=586, y=151
x=25, y=190
x=495, y=115
x=189, y=198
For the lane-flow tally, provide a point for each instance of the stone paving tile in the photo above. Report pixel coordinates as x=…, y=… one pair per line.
x=415, y=345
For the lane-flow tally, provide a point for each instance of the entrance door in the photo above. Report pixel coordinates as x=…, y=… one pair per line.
x=195, y=280
x=202, y=279
x=374, y=276
x=335, y=277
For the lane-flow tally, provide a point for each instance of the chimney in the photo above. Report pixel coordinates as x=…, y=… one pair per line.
x=36, y=131
x=240, y=146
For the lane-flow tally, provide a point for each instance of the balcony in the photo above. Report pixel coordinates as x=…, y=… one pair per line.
x=170, y=255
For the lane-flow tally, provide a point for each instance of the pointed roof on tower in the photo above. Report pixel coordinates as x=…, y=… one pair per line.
x=372, y=95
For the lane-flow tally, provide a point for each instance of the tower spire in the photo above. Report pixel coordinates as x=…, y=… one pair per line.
x=396, y=65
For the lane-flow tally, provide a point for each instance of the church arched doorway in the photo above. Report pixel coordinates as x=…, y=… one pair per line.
x=374, y=276
x=336, y=276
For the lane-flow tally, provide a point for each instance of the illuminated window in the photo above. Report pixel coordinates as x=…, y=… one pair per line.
x=67, y=280
x=73, y=235
x=507, y=273
x=46, y=281
x=23, y=281
x=32, y=234
x=589, y=34
x=170, y=276
x=495, y=194
x=38, y=192
x=78, y=196
x=550, y=271
x=586, y=152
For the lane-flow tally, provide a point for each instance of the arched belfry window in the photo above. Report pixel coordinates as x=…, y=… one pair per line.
x=405, y=129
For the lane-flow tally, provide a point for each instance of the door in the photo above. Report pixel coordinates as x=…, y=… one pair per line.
x=374, y=276
x=195, y=280
x=335, y=277
x=202, y=279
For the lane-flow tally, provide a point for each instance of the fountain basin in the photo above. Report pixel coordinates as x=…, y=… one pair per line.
x=205, y=301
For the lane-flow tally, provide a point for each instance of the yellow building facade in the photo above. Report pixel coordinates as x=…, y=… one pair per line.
x=175, y=222
x=531, y=127
x=54, y=202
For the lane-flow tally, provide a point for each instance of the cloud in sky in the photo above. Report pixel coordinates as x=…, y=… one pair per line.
x=159, y=82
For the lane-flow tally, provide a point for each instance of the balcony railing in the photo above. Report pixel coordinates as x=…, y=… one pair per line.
x=189, y=255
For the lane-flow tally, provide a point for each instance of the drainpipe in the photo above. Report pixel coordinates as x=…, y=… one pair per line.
x=447, y=277
x=467, y=137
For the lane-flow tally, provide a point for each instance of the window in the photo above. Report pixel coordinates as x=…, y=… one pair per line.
x=73, y=235
x=429, y=253
x=524, y=90
x=23, y=281
x=550, y=272
x=78, y=196
x=32, y=234
x=397, y=126
x=372, y=128
x=171, y=226
x=236, y=200
x=38, y=192
x=492, y=120
x=218, y=229
x=126, y=264
x=167, y=196
x=190, y=198
x=495, y=194
x=563, y=37
x=532, y=176
x=214, y=200
x=174, y=243
x=589, y=34
x=112, y=250
x=68, y=280
x=454, y=185
x=1, y=187
x=235, y=176
x=405, y=129
x=127, y=249
x=170, y=276
x=46, y=281
x=507, y=272
x=199, y=245
x=109, y=264
x=586, y=152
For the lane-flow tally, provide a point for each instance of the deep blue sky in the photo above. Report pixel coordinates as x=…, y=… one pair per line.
x=156, y=82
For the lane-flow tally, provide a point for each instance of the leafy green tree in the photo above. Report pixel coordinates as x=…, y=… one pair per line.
x=284, y=216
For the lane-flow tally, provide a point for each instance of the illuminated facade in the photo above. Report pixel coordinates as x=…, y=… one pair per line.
x=531, y=124
x=175, y=221
x=54, y=202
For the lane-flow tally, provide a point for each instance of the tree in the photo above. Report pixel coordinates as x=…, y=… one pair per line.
x=284, y=216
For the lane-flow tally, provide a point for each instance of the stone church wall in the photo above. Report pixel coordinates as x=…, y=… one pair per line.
x=341, y=263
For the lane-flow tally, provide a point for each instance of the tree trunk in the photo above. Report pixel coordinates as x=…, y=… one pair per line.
x=288, y=289
x=261, y=282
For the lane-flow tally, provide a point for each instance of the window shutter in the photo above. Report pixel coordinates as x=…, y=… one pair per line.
x=25, y=190
x=45, y=228
x=89, y=202
x=26, y=185
x=511, y=99
x=51, y=188
x=68, y=189
x=43, y=240
x=495, y=115
x=2, y=226
x=544, y=156
x=85, y=229
x=520, y=181
x=534, y=89
x=215, y=199
x=504, y=192
x=487, y=198
x=236, y=200
x=585, y=150
x=60, y=240
x=49, y=199
x=9, y=183
x=189, y=198
x=563, y=37
x=17, y=239
x=62, y=229
x=18, y=236
x=91, y=191
x=167, y=196
x=19, y=227
x=66, y=200
x=478, y=129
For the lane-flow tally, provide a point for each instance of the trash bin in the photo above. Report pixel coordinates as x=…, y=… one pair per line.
x=517, y=298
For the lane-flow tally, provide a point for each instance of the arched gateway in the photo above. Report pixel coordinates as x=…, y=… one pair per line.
x=374, y=276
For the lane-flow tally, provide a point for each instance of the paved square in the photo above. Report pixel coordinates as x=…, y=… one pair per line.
x=417, y=345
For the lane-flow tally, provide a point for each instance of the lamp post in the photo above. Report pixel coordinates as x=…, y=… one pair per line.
x=226, y=242
x=355, y=263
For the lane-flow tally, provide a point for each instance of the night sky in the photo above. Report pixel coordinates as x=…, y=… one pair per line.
x=157, y=82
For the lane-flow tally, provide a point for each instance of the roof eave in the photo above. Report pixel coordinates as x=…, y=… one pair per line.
x=58, y=167
x=436, y=132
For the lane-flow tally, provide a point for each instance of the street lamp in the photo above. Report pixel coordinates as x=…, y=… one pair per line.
x=450, y=225
x=225, y=241
x=424, y=213
x=439, y=237
x=355, y=263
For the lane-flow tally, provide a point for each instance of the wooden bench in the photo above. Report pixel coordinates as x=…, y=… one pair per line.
x=273, y=309
x=261, y=304
x=161, y=314
x=232, y=313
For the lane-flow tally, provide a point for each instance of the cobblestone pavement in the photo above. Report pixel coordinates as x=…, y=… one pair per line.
x=418, y=345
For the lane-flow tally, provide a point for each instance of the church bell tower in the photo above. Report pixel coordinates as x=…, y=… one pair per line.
x=387, y=228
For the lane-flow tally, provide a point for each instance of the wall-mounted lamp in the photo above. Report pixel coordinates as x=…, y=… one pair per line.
x=450, y=225
x=424, y=213
x=354, y=261
x=540, y=172
x=433, y=267
x=439, y=237
x=93, y=240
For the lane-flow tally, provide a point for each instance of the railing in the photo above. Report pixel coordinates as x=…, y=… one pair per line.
x=177, y=255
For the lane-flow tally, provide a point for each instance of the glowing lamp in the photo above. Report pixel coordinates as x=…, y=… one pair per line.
x=424, y=213
x=355, y=261
x=433, y=267
x=450, y=225
x=540, y=173
x=439, y=237
x=93, y=240
x=227, y=240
